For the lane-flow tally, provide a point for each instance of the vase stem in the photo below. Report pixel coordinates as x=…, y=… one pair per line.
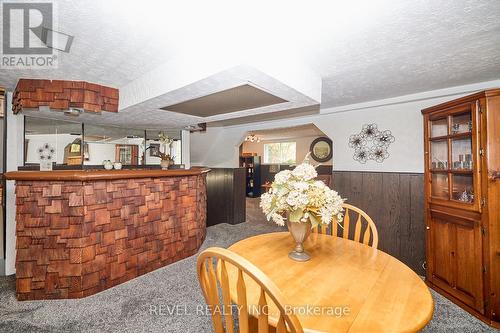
x=299, y=231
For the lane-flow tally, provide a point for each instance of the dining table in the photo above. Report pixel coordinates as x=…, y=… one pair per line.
x=346, y=286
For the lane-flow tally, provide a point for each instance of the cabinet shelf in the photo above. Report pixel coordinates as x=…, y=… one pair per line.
x=456, y=171
x=452, y=136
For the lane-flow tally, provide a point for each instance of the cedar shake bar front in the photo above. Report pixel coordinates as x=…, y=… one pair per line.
x=81, y=232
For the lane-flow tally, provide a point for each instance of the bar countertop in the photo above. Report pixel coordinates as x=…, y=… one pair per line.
x=89, y=175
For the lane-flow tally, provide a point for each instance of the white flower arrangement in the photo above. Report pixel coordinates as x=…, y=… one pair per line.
x=297, y=194
x=166, y=142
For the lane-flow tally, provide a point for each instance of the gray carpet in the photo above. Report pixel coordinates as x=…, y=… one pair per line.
x=144, y=304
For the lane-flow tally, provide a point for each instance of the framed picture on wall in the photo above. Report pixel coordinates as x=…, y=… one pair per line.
x=154, y=149
x=75, y=148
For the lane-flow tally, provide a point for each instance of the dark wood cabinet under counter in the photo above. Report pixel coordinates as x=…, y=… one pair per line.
x=226, y=200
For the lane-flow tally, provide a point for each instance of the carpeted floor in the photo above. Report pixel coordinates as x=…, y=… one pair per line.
x=145, y=304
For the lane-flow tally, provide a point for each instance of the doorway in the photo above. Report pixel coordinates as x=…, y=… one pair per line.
x=264, y=153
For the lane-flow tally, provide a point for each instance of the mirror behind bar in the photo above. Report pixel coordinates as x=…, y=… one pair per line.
x=72, y=145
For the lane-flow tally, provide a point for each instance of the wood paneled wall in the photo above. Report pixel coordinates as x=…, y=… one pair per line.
x=395, y=202
x=226, y=196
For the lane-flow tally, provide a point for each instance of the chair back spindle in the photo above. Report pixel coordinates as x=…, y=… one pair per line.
x=216, y=286
x=364, y=227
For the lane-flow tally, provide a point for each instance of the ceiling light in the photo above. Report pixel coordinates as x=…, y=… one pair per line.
x=252, y=138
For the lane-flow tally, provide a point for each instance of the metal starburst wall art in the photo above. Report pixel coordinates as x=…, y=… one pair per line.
x=371, y=144
x=46, y=152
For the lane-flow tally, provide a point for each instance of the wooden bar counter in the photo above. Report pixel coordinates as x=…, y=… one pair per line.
x=82, y=231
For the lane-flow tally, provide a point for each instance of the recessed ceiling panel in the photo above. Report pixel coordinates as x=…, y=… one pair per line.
x=239, y=98
x=286, y=114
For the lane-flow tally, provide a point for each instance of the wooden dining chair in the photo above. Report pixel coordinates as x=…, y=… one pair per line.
x=215, y=285
x=363, y=222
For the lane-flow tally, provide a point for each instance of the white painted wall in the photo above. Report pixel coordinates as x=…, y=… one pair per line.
x=14, y=146
x=218, y=146
x=186, y=148
x=56, y=141
x=403, y=120
x=98, y=152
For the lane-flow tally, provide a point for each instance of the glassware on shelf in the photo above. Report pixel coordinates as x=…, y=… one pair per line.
x=461, y=150
x=440, y=185
x=461, y=123
x=439, y=155
x=463, y=188
x=439, y=127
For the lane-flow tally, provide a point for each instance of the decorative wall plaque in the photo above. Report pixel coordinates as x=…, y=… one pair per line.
x=46, y=156
x=371, y=144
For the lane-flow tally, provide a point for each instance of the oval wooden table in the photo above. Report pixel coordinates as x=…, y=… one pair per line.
x=380, y=293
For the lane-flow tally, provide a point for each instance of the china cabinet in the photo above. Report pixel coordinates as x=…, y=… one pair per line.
x=462, y=159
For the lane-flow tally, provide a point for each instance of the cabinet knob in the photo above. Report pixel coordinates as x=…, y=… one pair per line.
x=428, y=228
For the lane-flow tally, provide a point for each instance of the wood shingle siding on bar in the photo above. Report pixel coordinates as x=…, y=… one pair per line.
x=77, y=238
x=62, y=95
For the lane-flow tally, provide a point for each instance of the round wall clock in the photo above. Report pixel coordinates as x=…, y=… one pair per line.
x=321, y=149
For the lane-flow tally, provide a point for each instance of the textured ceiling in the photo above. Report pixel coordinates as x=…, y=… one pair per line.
x=412, y=47
x=362, y=50
x=107, y=47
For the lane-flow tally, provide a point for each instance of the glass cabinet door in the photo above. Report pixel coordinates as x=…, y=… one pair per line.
x=440, y=187
x=451, y=158
x=463, y=188
x=461, y=154
x=439, y=127
x=461, y=123
x=439, y=155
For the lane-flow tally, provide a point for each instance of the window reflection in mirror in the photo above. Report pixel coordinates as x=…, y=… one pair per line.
x=153, y=145
x=114, y=144
x=56, y=140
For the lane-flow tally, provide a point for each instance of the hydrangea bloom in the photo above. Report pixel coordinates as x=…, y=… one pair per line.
x=297, y=195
